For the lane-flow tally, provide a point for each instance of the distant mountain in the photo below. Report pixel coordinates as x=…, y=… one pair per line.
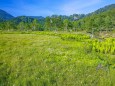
x=36, y=17
x=76, y=16
x=101, y=19
x=19, y=19
x=5, y=16
x=27, y=19
x=71, y=17
x=104, y=9
x=40, y=19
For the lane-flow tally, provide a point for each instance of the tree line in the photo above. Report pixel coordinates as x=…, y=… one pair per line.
x=95, y=22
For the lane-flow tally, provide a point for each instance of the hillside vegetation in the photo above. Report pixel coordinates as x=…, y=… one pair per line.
x=100, y=20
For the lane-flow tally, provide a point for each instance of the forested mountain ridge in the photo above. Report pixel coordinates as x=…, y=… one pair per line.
x=36, y=17
x=97, y=22
x=102, y=19
x=104, y=9
x=19, y=19
x=5, y=16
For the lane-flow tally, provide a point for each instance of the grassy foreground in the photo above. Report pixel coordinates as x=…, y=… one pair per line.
x=53, y=59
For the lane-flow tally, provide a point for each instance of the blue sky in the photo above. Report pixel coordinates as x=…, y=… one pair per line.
x=50, y=7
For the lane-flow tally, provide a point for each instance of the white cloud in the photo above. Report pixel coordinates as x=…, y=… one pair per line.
x=76, y=6
x=46, y=7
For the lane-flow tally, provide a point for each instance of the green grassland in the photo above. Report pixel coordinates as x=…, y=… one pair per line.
x=56, y=59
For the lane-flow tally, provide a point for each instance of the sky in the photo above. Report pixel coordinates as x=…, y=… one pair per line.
x=51, y=7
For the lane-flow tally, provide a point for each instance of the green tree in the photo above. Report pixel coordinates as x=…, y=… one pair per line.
x=75, y=25
x=9, y=25
x=66, y=22
x=21, y=26
x=107, y=23
x=48, y=22
x=35, y=25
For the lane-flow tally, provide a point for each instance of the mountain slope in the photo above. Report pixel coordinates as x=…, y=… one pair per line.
x=102, y=21
x=19, y=19
x=36, y=17
x=5, y=16
x=27, y=19
x=104, y=9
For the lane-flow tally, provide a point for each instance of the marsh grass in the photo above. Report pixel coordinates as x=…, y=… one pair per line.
x=45, y=59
